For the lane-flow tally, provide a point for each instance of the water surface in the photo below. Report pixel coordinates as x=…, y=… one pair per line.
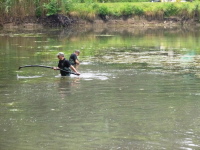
x=138, y=89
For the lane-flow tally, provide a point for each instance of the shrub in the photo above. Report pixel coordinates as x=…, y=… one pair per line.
x=138, y=10
x=197, y=10
x=52, y=7
x=103, y=11
x=68, y=5
x=95, y=6
x=127, y=10
x=38, y=9
x=170, y=10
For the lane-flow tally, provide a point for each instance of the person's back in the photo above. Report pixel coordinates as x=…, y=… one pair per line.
x=73, y=58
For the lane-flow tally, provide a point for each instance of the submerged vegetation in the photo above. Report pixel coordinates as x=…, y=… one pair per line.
x=88, y=9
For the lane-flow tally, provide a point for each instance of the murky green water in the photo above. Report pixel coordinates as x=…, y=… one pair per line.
x=138, y=89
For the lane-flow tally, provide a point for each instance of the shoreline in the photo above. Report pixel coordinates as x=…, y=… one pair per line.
x=61, y=21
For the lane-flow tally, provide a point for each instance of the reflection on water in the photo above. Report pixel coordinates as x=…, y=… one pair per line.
x=138, y=89
x=65, y=84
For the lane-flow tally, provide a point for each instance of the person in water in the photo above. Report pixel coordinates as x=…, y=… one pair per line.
x=64, y=65
x=73, y=58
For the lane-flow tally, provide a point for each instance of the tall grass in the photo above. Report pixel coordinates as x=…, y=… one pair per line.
x=89, y=9
x=19, y=8
x=149, y=10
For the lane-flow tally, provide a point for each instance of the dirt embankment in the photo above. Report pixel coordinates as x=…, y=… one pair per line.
x=30, y=22
x=65, y=21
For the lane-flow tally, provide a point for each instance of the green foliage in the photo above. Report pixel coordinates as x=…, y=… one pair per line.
x=7, y=5
x=89, y=1
x=152, y=10
x=38, y=9
x=170, y=9
x=114, y=1
x=103, y=10
x=137, y=10
x=68, y=5
x=93, y=8
x=52, y=7
x=127, y=10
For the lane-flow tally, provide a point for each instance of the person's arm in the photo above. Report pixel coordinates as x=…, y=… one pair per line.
x=56, y=68
x=77, y=62
x=72, y=67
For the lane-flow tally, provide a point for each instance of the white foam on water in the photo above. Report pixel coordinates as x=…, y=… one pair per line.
x=27, y=77
x=15, y=110
x=58, y=76
x=104, y=35
x=85, y=63
x=85, y=76
x=91, y=76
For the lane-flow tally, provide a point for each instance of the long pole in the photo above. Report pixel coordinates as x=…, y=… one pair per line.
x=45, y=67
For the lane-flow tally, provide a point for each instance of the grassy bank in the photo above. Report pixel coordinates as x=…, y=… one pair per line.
x=90, y=9
x=148, y=10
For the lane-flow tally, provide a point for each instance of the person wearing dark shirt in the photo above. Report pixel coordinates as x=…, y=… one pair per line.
x=73, y=58
x=64, y=65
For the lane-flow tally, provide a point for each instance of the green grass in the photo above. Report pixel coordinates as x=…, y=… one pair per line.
x=91, y=9
x=152, y=10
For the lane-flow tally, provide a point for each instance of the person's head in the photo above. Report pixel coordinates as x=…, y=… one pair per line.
x=77, y=52
x=61, y=55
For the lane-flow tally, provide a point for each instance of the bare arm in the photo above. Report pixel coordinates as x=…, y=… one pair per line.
x=56, y=68
x=77, y=62
x=72, y=67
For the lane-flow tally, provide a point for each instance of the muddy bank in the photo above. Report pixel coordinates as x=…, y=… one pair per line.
x=35, y=23
x=67, y=21
x=138, y=21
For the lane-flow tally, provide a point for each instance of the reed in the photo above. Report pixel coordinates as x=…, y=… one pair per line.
x=19, y=8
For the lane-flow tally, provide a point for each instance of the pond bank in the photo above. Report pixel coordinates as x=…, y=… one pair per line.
x=139, y=21
x=65, y=21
